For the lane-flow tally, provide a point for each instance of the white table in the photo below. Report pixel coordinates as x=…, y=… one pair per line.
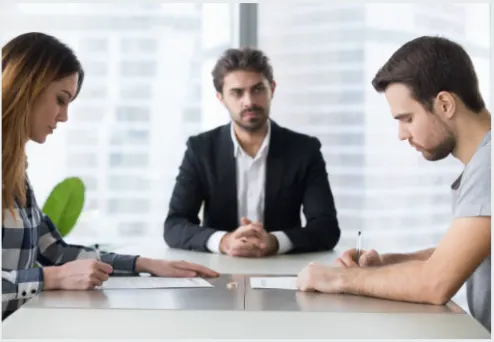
x=292, y=315
x=279, y=264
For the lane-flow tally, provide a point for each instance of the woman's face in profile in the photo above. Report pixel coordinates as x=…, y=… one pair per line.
x=51, y=107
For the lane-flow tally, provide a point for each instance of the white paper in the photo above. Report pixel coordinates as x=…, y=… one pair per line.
x=285, y=283
x=152, y=283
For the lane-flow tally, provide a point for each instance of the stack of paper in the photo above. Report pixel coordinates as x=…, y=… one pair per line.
x=152, y=283
x=285, y=283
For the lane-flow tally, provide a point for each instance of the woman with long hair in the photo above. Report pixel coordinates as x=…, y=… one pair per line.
x=40, y=78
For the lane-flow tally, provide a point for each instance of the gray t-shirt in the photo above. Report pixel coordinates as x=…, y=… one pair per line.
x=472, y=197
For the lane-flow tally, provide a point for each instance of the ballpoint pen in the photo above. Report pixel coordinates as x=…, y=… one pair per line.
x=359, y=245
x=98, y=254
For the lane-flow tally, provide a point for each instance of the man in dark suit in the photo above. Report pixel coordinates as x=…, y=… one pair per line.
x=252, y=175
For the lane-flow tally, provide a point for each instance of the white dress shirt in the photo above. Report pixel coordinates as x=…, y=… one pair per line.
x=251, y=185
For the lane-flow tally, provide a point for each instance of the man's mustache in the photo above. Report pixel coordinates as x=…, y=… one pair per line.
x=256, y=109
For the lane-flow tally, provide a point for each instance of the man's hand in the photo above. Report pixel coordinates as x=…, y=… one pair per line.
x=367, y=259
x=76, y=275
x=168, y=268
x=317, y=277
x=249, y=240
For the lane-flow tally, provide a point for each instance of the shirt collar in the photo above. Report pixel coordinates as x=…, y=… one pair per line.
x=237, y=149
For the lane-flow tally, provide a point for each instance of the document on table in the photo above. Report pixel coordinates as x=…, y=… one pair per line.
x=152, y=283
x=284, y=283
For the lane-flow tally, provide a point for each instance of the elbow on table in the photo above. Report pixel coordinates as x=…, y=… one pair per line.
x=333, y=238
x=438, y=292
x=169, y=235
x=439, y=299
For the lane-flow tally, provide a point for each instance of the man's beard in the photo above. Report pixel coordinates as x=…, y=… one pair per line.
x=254, y=124
x=444, y=149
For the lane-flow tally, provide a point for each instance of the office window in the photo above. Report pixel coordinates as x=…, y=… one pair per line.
x=192, y=114
x=82, y=160
x=326, y=97
x=343, y=139
x=130, y=137
x=136, y=91
x=139, y=45
x=338, y=118
x=128, y=183
x=90, y=203
x=318, y=12
x=345, y=180
x=86, y=113
x=85, y=136
x=94, y=92
x=129, y=160
x=128, y=206
x=133, y=114
x=98, y=68
x=94, y=45
x=323, y=77
x=90, y=182
x=141, y=68
x=131, y=229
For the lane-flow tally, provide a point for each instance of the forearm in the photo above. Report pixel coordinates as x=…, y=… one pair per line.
x=395, y=258
x=54, y=251
x=142, y=264
x=67, y=253
x=406, y=281
x=180, y=232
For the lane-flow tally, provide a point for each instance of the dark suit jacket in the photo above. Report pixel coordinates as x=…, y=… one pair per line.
x=295, y=176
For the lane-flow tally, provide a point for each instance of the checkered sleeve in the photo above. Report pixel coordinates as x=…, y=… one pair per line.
x=21, y=284
x=54, y=251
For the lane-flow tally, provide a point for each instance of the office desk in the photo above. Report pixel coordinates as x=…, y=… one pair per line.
x=51, y=323
x=278, y=264
x=218, y=297
x=263, y=313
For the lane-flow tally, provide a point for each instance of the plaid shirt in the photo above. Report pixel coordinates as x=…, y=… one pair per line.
x=31, y=237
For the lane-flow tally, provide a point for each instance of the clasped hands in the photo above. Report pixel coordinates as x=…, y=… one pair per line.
x=249, y=240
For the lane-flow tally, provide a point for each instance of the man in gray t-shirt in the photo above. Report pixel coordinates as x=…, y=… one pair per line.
x=432, y=91
x=471, y=198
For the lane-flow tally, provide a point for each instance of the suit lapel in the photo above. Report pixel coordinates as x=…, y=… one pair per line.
x=226, y=169
x=274, y=173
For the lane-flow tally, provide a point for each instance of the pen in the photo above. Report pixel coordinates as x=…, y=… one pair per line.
x=359, y=245
x=98, y=254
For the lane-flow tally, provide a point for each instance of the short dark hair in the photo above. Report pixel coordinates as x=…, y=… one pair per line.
x=246, y=59
x=429, y=65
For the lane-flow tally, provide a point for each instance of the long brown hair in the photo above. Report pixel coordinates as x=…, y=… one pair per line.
x=30, y=63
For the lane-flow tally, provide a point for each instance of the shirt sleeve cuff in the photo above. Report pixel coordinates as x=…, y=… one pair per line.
x=30, y=282
x=214, y=240
x=284, y=243
x=122, y=264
